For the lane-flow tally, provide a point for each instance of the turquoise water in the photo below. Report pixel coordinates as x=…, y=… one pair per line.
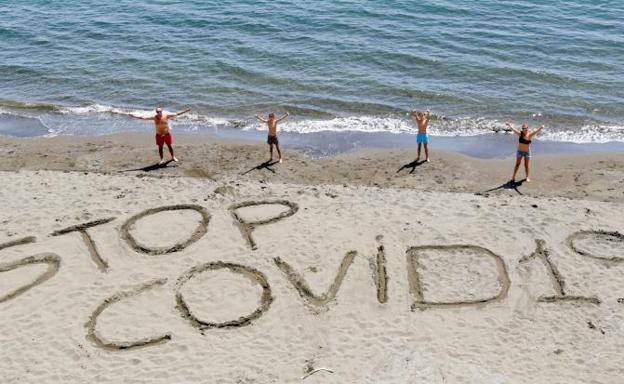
x=70, y=67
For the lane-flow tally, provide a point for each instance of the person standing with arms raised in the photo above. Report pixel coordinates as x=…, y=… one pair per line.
x=163, y=132
x=524, y=150
x=272, y=136
x=422, y=138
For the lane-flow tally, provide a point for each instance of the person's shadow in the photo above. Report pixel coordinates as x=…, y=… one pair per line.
x=508, y=185
x=149, y=168
x=412, y=165
x=265, y=165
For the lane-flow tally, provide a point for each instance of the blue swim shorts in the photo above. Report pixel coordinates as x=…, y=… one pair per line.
x=524, y=154
x=422, y=138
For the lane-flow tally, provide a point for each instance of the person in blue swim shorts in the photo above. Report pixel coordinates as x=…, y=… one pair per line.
x=524, y=150
x=422, y=138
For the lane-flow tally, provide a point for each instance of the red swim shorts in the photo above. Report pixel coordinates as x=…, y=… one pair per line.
x=162, y=139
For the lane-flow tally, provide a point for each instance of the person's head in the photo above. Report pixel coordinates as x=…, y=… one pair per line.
x=271, y=115
x=525, y=127
x=419, y=115
x=158, y=111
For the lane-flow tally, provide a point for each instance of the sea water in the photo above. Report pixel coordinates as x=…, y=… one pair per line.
x=340, y=67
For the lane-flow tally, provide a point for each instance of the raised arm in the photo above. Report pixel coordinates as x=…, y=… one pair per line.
x=428, y=116
x=170, y=115
x=140, y=117
x=537, y=130
x=512, y=128
x=414, y=114
x=260, y=119
x=283, y=117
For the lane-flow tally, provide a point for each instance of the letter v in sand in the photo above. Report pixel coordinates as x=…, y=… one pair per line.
x=304, y=290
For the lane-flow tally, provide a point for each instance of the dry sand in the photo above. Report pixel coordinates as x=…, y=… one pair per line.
x=378, y=276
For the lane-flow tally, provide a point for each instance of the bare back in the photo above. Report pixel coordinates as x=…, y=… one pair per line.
x=272, y=125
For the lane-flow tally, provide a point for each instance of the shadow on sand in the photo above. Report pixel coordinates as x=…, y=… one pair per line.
x=149, y=168
x=265, y=165
x=508, y=185
x=412, y=165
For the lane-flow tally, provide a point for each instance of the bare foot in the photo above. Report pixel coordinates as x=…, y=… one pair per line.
x=161, y=162
x=428, y=161
x=174, y=159
x=528, y=180
x=280, y=160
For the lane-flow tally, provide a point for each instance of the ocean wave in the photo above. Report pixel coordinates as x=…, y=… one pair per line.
x=58, y=120
x=7, y=105
x=591, y=133
x=102, y=109
x=98, y=109
x=439, y=126
x=444, y=126
x=447, y=127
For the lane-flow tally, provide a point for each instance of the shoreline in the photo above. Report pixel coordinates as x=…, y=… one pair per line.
x=475, y=138
x=597, y=176
x=497, y=145
x=494, y=145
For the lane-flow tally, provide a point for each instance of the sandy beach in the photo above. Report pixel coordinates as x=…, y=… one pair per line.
x=358, y=268
x=597, y=176
x=349, y=262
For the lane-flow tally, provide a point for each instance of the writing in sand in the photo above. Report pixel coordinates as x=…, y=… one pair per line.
x=413, y=256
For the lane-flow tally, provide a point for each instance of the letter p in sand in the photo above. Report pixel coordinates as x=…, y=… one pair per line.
x=247, y=226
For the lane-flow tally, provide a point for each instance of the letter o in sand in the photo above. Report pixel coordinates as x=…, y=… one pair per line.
x=197, y=234
x=254, y=275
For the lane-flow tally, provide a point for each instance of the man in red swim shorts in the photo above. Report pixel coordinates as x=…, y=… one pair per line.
x=163, y=133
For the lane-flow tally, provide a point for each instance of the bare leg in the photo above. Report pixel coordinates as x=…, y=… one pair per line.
x=160, y=152
x=271, y=150
x=418, y=157
x=526, y=168
x=518, y=160
x=279, y=153
x=426, y=151
x=171, y=152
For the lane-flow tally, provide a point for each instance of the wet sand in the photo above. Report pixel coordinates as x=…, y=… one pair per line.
x=594, y=176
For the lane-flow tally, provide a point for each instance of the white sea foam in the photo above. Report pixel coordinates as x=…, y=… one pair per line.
x=591, y=133
x=389, y=124
x=206, y=121
x=102, y=109
x=465, y=126
x=191, y=118
x=396, y=124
